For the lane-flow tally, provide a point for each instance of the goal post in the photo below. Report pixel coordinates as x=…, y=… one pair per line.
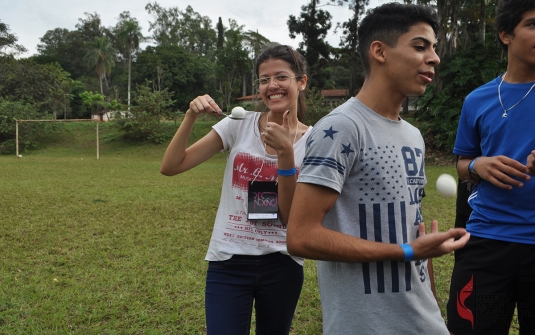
x=64, y=120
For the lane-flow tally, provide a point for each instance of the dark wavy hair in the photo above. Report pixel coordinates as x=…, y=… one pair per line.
x=509, y=14
x=388, y=22
x=297, y=63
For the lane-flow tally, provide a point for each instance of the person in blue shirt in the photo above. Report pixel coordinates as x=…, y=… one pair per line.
x=495, y=271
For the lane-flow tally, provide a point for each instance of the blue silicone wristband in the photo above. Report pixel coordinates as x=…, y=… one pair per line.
x=409, y=253
x=287, y=172
x=471, y=166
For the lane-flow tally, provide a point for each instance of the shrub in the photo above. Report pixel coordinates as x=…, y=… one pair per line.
x=143, y=121
x=440, y=107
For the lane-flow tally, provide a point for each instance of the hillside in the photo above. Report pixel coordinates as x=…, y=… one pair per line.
x=79, y=138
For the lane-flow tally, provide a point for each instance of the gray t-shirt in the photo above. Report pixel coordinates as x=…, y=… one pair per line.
x=377, y=166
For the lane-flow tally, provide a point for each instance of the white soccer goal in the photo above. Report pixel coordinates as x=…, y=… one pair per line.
x=64, y=120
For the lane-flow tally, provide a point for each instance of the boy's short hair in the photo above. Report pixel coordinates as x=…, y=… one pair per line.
x=388, y=22
x=509, y=14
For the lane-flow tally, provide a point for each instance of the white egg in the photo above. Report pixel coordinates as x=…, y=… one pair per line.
x=238, y=112
x=446, y=185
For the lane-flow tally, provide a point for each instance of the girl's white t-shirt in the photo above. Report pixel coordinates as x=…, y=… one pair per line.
x=233, y=234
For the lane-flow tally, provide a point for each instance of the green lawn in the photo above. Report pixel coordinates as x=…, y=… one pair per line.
x=111, y=246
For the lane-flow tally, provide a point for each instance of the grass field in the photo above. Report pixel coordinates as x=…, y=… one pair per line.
x=111, y=246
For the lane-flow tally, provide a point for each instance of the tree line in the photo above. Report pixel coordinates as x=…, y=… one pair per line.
x=79, y=72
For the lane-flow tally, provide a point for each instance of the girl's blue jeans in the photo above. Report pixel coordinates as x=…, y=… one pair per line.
x=272, y=282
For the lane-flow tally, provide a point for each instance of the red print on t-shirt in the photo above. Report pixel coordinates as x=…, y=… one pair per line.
x=247, y=167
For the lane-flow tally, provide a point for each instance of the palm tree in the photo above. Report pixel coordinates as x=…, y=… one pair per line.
x=101, y=55
x=129, y=33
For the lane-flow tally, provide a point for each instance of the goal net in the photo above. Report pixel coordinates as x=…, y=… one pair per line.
x=64, y=120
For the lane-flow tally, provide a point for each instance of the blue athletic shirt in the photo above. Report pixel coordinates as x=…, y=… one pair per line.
x=506, y=215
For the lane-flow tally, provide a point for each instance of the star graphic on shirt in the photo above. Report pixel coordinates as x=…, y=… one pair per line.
x=309, y=143
x=347, y=149
x=330, y=132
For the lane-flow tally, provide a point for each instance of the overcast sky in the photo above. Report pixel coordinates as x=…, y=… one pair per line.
x=31, y=19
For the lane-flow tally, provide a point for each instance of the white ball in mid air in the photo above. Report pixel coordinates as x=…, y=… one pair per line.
x=446, y=185
x=238, y=112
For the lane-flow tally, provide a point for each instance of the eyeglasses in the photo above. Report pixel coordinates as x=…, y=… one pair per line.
x=281, y=81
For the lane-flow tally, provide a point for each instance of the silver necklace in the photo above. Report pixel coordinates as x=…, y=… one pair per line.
x=500, y=97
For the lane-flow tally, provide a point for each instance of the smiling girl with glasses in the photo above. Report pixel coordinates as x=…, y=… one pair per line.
x=248, y=261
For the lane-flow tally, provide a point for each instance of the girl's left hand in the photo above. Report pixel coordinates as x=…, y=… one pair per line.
x=278, y=136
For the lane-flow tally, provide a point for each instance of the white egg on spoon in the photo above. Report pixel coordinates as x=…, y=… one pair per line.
x=238, y=113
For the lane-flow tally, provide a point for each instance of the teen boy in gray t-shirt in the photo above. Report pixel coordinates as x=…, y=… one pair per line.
x=356, y=206
x=379, y=177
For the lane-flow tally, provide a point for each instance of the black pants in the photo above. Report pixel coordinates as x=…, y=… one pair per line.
x=490, y=278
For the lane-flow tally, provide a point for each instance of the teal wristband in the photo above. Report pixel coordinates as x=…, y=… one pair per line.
x=287, y=172
x=409, y=253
